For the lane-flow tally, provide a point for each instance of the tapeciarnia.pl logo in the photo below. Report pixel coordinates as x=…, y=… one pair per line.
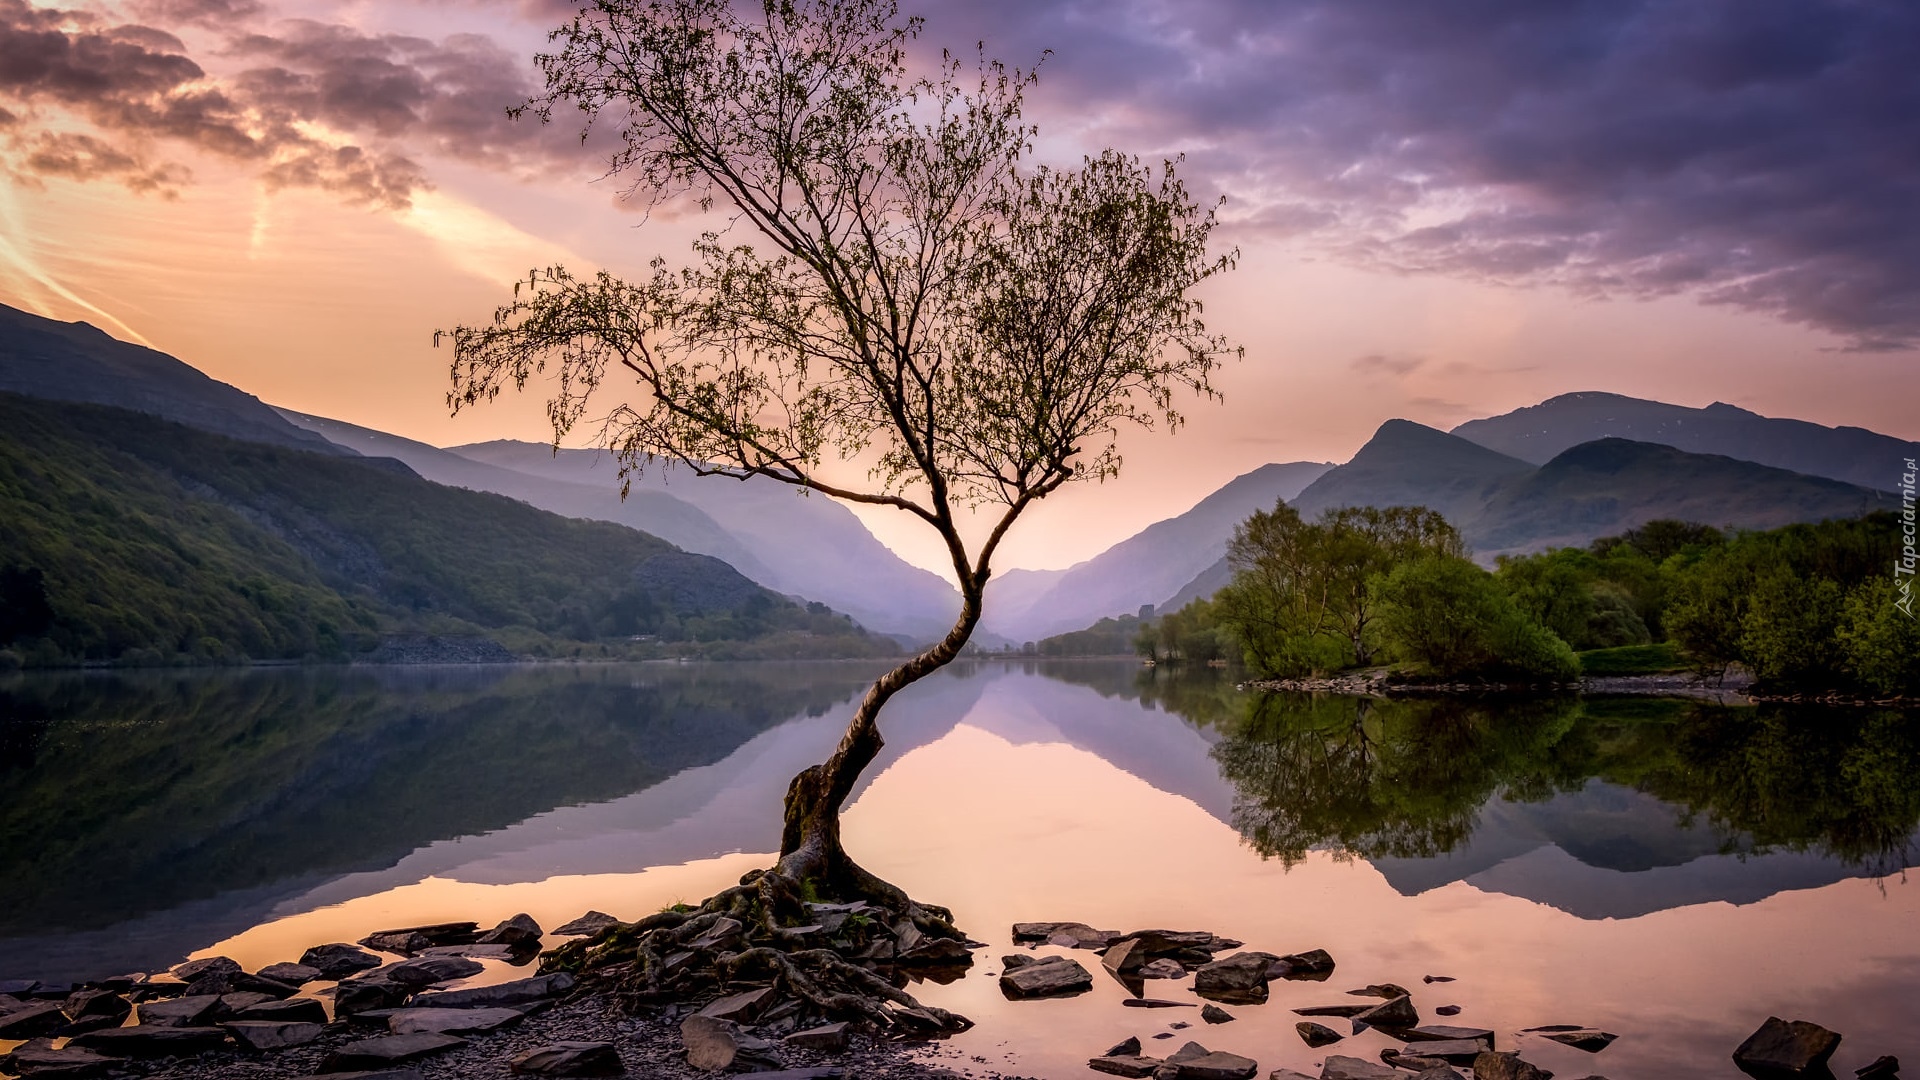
x=1903, y=566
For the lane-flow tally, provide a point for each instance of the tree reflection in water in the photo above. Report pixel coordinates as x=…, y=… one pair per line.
x=1407, y=777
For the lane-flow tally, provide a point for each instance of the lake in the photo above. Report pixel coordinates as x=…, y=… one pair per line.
x=1672, y=871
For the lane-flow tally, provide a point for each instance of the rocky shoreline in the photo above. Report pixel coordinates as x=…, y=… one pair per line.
x=1736, y=687
x=390, y=1008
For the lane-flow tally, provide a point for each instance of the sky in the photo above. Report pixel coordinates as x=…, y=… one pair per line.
x=1442, y=211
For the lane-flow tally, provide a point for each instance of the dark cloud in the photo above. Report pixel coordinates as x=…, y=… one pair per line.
x=136, y=85
x=1758, y=153
x=215, y=13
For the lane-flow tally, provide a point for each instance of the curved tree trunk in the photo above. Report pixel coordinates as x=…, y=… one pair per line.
x=810, y=849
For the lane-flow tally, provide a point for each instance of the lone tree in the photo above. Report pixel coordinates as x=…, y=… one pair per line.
x=891, y=286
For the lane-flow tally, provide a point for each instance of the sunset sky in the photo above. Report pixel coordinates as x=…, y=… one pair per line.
x=1444, y=211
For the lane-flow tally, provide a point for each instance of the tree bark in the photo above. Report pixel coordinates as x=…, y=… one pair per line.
x=810, y=848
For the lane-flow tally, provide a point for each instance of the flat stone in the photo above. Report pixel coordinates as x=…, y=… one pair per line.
x=520, y=932
x=1082, y=936
x=83, y=1004
x=1126, y=955
x=295, y=975
x=1164, y=968
x=388, y=1050
x=364, y=995
x=1041, y=931
x=829, y=1037
x=39, y=1057
x=1589, y=1040
x=427, y=970
x=587, y=925
x=338, y=960
x=449, y=933
x=1411, y=1060
x=1386, y=991
x=712, y=1043
x=722, y=931
x=507, y=994
x=212, y=965
x=1241, y=973
x=150, y=1042
x=452, y=1021
x=25, y=1023
x=1507, y=1066
x=291, y=1011
x=1132, y=1065
x=1316, y=1034
x=1446, y=1010
x=570, y=1059
x=1452, y=1050
x=221, y=983
x=1054, y=976
x=1287, y=1074
x=179, y=1012
x=1786, y=1048
x=1301, y=964
x=1214, y=1014
x=1883, y=1067
x=1448, y=1072
x=1395, y=1013
x=1341, y=1067
x=1213, y=1065
x=1436, y=1032
x=1156, y=1003
x=232, y=1004
x=263, y=1035
x=1332, y=1010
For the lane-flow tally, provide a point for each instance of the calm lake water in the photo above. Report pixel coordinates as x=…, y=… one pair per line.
x=1671, y=871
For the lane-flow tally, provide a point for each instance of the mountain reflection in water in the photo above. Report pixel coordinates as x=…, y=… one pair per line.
x=150, y=815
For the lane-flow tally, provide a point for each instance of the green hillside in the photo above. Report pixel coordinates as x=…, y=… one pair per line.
x=132, y=539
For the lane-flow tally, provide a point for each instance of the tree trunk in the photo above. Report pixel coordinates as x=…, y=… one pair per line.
x=810, y=849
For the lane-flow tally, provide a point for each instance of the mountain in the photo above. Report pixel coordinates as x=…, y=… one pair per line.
x=127, y=537
x=809, y=544
x=1146, y=567
x=79, y=362
x=1605, y=487
x=1502, y=505
x=1538, y=433
x=671, y=519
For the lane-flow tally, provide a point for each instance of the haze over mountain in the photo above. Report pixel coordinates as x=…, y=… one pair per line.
x=79, y=362
x=1539, y=432
x=811, y=545
x=1146, y=567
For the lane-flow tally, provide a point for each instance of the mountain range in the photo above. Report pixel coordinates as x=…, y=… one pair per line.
x=1566, y=471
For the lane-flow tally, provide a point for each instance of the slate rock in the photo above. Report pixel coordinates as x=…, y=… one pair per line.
x=1883, y=1067
x=338, y=960
x=295, y=975
x=452, y=933
x=1133, y=1065
x=1506, y=1066
x=387, y=1051
x=1127, y=1047
x=369, y=1074
x=1053, y=976
x=503, y=995
x=1393, y=1013
x=1341, y=1067
x=91, y=1023
x=519, y=932
x=25, y=1023
x=212, y=965
x=17, y=988
x=1082, y=936
x=1446, y=1010
x=1452, y=1051
x=233, y=1004
x=570, y=1059
x=1413, y=1060
x=1041, y=931
x=82, y=1004
x=1316, y=1034
x=220, y=983
x=264, y=1035
x=1213, y=1065
x=1239, y=973
x=831, y=1038
x=1436, y=1032
x=1301, y=964
x=1124, y=956
x=1332, y=1010
x=1164, y=968
x=933, y=952
x=1387, y=991
x=39, y=1057
x=291, y=1011
x=741, y=1008
x=1591, y=1041
x=1287, y=1074
x=365, y=995
x=145, y=1041
x=587, y=925
x=1214, y=1014
x=1786, y=1048
x=427, y=970
x=452, y=1021
x=181, y=1012
x=712, y=1043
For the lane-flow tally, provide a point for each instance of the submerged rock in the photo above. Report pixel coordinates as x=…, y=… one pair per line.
x=1506, y=1066
x=1395, y=1013
x=519, y=932
x=1585, y=1039
x=1341, y=1067
x=1214, y=1014
x=1786, y=1048
x=1316, y=1035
